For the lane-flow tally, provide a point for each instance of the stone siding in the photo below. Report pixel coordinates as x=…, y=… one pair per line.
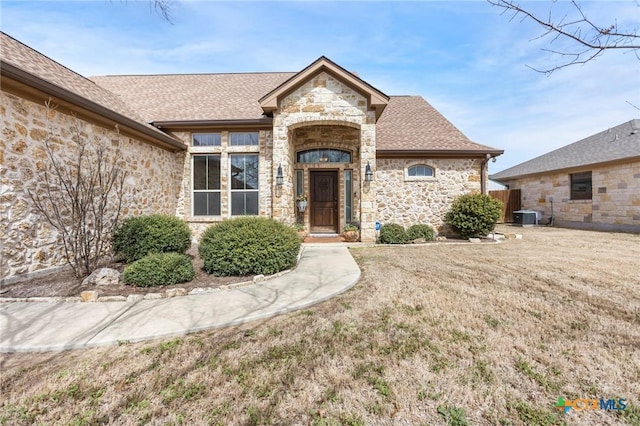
x=323, y=100
x=409, y=200
x=264, y=149
x=615, y=203
x=28, y=242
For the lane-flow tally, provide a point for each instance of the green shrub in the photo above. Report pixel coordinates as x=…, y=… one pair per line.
x=420, y=231
x=246, y=246
x=139, y=236
x=474, y=215
x=159, y=269
x=392, y=233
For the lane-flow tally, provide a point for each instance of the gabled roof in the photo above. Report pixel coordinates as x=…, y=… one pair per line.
x=376, y=99
x=26, y=66
x=409, y=123
x=616, y=144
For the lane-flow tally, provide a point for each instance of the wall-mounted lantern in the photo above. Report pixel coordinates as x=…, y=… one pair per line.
x=368, y=174
x=279, y=176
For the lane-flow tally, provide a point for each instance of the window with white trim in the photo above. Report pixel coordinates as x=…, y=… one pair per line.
x=420, y=170
x=206, y=185
x=244, y=173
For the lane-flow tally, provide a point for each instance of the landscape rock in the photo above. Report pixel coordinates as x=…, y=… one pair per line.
x=103, y=276
x=474, y=240
x=134, y=298
x=441, y=238
x=153, y=296
x=89, y=296
x=419, y=241
x=173, y=292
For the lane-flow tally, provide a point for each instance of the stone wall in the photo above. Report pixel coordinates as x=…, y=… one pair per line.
x=323, y=100
x=264, y=149
x=28, y=242
x=408, y=200
x=615, y=203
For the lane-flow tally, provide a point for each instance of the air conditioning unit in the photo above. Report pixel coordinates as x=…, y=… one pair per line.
x=525, y=217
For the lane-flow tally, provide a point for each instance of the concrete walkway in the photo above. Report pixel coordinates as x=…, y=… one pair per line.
x=324, y=271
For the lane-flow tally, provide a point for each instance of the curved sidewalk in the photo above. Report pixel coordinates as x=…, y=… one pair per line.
x=323, y=272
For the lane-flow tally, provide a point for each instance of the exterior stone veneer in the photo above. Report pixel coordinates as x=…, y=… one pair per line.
x=323, y=100
x=199, y=224
x=615, y=203
x=409, y=201
x=27, y=241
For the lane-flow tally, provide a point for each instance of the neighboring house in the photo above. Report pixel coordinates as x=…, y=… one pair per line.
x=591, y=184
x=206, y=147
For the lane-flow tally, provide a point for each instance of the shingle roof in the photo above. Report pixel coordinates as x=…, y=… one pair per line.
x=23, y=57
x=407, y=123
x=177, y=97
x=411, y=123
x=618, y=143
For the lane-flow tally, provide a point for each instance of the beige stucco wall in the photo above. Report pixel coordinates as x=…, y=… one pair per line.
x=408, y=200
x=323, y=100
x=28, y=242
x=615, y=203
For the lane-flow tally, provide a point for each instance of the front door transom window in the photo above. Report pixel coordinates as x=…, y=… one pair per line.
x=323, y=155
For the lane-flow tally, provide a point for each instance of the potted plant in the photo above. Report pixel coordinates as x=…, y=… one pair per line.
x=350, y=233
x=302, y=202
x=300, y=230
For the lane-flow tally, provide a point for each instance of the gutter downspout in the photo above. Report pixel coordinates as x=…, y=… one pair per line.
x=483, y=172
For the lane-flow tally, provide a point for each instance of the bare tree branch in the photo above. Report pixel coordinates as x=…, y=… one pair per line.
x=590, y=40
x=81, y=195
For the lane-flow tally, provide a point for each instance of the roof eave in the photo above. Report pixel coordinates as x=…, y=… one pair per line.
x=257, y=123
x=443, y=153
x=11, y=71
x=576, y=168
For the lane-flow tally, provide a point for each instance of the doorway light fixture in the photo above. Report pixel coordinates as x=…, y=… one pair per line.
x=368, y=174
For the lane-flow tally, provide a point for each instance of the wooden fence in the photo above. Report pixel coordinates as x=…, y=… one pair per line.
x=511, y=202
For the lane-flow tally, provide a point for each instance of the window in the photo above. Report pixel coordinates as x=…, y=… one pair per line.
x=205, y=139
x=580, y=186
x=299, y=182
x=323, y=155
x=245, y=138
x=206, y=185
x=420, y=170
x=244, y=185
x=348, y=195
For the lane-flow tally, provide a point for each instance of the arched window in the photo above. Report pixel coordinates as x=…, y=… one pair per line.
x=420, y=170
x=323, y=155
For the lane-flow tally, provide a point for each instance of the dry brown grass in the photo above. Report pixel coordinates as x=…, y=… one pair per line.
x=498, y=332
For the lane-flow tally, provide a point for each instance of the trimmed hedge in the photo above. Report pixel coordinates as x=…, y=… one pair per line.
x=474, y=215
x=392, y=233
x=158, y=269
x=420, y=231
x=139, y=236
x=247, y=246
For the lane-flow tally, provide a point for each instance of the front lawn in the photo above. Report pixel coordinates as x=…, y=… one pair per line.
x=433, y=334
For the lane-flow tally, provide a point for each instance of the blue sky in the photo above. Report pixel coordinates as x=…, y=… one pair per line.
x=464, y=57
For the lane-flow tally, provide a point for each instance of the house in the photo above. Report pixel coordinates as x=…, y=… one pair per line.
x=206, y=147
x=590, y=184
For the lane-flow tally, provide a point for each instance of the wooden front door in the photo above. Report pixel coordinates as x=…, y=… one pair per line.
x=324, y=201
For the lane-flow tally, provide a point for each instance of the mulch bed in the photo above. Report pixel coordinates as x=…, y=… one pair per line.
x=65, y=284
